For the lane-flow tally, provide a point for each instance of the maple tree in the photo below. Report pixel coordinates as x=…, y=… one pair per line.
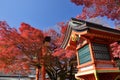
x=59, y=68
x=23, y=49
x=94, y=8
x=63, y=64
x=29, y=47
x=57, y=65
x=116, y=49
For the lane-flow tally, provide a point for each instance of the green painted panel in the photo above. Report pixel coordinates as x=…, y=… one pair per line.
x=84, y=54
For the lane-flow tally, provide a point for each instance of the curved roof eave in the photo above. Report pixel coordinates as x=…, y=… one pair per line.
x=80, y=26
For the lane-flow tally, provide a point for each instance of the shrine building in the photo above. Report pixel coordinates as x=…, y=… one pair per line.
x=94, y=56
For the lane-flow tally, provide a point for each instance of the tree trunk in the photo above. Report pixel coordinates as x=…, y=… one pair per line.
x=37, y=73
x=43, y=72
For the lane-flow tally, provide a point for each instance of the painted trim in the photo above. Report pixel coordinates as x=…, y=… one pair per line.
x=87, y=68
x=85, y=73
x=105, y=31
x=96, y=75
x=108, y=71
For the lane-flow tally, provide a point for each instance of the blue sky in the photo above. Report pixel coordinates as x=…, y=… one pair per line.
x=40, y=14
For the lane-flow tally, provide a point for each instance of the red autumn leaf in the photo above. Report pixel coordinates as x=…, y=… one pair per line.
x=93, y=8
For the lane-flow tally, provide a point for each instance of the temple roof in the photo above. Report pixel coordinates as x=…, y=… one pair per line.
x=81, y=26
x=88, y=25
